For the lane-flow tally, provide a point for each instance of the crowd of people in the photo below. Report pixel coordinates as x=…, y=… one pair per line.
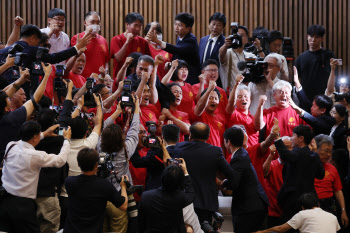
x=150, y=146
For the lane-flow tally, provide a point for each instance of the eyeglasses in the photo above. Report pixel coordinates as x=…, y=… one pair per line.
x=212, y=70
x=60, y=20
x=142, y=132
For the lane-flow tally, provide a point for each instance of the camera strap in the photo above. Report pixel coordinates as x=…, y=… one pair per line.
x=3, y=160
x=36, y=107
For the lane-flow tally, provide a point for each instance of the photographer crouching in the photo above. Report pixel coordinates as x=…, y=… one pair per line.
x=21, y=167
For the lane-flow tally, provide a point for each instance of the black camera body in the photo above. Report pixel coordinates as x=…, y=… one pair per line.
x=151, y=141
x=235, y=38
x=254, y=69
x=89, y=100
x=287, y=49
x=215, y=226
x=58, y=84
x=37, y=68
x=126, y=96
x=340, y=96
x=173, y=162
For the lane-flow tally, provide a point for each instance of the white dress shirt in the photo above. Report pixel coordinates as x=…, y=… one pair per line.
x=22, y=167
x=59, y=43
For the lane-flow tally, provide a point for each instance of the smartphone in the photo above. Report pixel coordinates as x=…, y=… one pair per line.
x=340, y=62
x=60, y=130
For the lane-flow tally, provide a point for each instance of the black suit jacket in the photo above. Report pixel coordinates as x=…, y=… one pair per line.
x=301, y=168
x=248, y=194
x=203, y=161
x=187, y=49
x=215, y=52
x=339, y=137
x=320, y=125
x=153, y=162
x=160, y=211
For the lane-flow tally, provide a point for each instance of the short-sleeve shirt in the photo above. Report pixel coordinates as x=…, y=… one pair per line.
x=216, y=124
x=149, y=113
x=187, y=103
x=182, y=116
x=77, y=79
x=258, y=159
x=314, y=220
x=287, y=118
x=138, y=44
x=273, y=184
x=326, y=187
x=239, y=118
x=97, y=54
x=88, y=196
x=167, y=58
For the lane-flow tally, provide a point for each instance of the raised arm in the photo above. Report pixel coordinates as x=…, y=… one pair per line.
x=184, y=127
x=13, y=87
x=259, y=117
x=71, y=62
x=108, y=103
x=120, y=54
x=15, y=31
x=99, y=115
x=122, y=72
x=267, y=163
x=269, y=140
x=231, y=105
x=202, y=80
x=223, y=50
x=167, y=77
x=203, y=101
x=10, y=61
x=144, y=79
x=331, y=80
x=152, y=84
x=80, y=93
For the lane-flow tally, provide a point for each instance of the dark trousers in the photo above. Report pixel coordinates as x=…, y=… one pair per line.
x=64, y=210
x=204, y=215
x=247, y=223
x=18, y=215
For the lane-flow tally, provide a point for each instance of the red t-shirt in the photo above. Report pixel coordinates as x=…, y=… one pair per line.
x=96, y=54
x=287, y=118
x=149, y=113
x=49, y=85
x=167, y=58
x=187, y=103
x=138, y=44
x=326, y=187
x=273, y=184
x=239, y=118
x=216, y=124
x=77, y=79
x=138, y=175
x=182, y=116
x=107, y=114
x=258, y=160
x=221, y=109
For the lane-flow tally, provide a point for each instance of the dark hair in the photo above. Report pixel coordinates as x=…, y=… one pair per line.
x=219, y=17
x=91, y=13
x=170, y=85
x=235, y=135
x=44, y=102
x=98, y=87
x=147, y=59
x=308, y=200
x=260, y=31
x=323, y=101
x=158, y=28
x=316, y=30
x=79, y=127
x=181, y=63
x=341, y=110
x=56, y=12
x=305, y=131
x=172, y=178
x=44, y=38
x=185, y=18
x=29, y=30
x=216, y=90
x=3, y=102
x=46, y=118
x=112, y=139
x=274, y=35
x=135, y=56
x=28, y=130
x=209, y=62
x=244, y=28
x=200, y=131
x=132, y=17
x=87, y=159
x=171, y=133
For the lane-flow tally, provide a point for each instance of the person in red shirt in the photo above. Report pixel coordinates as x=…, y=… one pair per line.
x=97, y=53
x=74, y=68
x=178, y=73
x=128, y=42
x=238, y=110
x=205, y=111
x=149, y=112
x=180, y=119
x=288, y=118
x=273, y=182
x=156, y=49
x=330, y=186
x=210, y=71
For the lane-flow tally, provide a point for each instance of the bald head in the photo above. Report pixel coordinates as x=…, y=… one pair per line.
x=199, y=131
x=287, y=142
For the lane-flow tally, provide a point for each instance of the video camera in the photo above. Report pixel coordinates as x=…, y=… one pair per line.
x=15, y=51
x=235, y=38
x=215, y=225
x=37, y=68
x=287, y=49
x=151, y=141
x=127, y=100
x=58, y=84
x=253, y=68
x=89, y=100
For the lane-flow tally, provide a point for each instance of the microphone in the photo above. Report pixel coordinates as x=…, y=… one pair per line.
x=242, y=65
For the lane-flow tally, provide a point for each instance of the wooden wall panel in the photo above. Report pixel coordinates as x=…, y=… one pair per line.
x=291, y=17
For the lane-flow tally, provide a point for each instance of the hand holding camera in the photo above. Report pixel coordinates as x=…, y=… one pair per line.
x=123, y=181
x=46, y=68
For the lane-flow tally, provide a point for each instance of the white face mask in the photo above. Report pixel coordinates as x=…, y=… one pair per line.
x=160, y=36
x=95, y=28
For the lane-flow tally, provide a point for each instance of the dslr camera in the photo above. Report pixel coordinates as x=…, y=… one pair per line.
x=236, y=39
x=37, y=68
x=58, y=84
x=341, y=96
x=126, y=97
x=287, y=49
x=16, y=52
x=89, y=100
x=253, y=68
x=151, y=141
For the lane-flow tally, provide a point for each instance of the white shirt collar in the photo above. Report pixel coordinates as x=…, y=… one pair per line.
x=233, y=153
x=214, y=38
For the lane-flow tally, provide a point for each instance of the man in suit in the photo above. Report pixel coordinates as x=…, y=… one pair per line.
x=249, y=200
x=301, y=168
x=203, y=161
x=186, y=47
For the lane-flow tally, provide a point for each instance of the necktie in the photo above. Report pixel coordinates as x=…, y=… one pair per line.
x=207, y=55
